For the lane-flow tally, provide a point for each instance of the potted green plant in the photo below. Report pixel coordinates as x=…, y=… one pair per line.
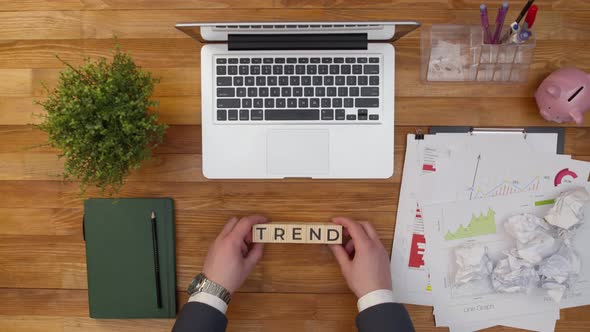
x=100, y=117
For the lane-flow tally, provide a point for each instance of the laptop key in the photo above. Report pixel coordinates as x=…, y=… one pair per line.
x=351, y=117
x=252, y=92
x=303, y=60
x=326, y=60
x=320, y=91
x=331, y=91
x=283, y=80
x=244, y=115
x=266, y=70
x=327, y=114
x=261, y=80
x=363, y=80
x=357, y=69
x=267, y=60
x=366, y=102
x=340, y=114
x=297, y=92
x=350, y=60
x=232, y=70
x=348, y=102
x=334, y=69
x=241, y=92
x=224, y=81
x=247, y=103
x=353, y=91
x=243, y=70
x=323, y=69
x=326, y=102
x=269, y=103
x=256, y=60
x=256, y=115
x=308, y=92
x=228, y=103
x=303, y=102
x=340, y=80
x=345, y=69
x=315, y=60
x=373, y=80
x=232, y=115
x=249, y=81
x=292, y=114
x=361, y=60
x=338, y=60
x=371, y=69
x=317, y=80
x=342, y=91
x=294, y=80
x=314, y=102
x=232, y=60
x=277, y=70
x=255, y=70
x=291, y=102
x=337, y=102
x=281, y=102
x=289, y=70
x=221, y=70
x=291, y=60
x=221, y=61
x=258, y=103
x=300, y=69
x=275, y=92
x=305, y=80
x=328, y=80
x=312, y=69
x=238, y=81
x=279, y=60
x=373, y=60
x=226, y=92
x=350, y=80
x=370, y=91
x=272, y=80
x=263, y=92
x=221, y=115
x=286, y=92
x=374, y=117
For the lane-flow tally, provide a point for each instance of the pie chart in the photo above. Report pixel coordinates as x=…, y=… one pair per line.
x=563, y=174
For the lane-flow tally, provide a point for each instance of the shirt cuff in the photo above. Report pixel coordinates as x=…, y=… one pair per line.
x=374, y=298
x=209, y=299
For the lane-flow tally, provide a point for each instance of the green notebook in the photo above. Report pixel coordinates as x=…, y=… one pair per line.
x=120, y=257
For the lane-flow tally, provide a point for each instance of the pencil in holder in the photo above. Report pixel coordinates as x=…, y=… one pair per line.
x=457, y=53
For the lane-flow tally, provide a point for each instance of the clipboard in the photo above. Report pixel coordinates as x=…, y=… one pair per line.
x=481, y=130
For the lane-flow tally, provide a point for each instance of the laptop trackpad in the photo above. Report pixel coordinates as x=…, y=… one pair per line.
x=298, y=152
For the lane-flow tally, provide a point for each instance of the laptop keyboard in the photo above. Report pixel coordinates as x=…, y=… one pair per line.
x=343, y=89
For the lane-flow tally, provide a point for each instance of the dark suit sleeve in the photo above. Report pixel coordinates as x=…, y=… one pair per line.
x=200, y=317
x=386, y=317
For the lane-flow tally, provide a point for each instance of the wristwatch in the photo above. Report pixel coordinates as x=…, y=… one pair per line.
x=204, y=285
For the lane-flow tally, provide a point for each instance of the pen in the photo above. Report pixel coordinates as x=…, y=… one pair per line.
x=500, y=22
x=485, y=23
x=524, y=11
x=156, y=261
x=530, y=16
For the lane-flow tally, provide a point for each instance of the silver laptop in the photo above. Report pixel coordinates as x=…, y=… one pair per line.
x=298, y=99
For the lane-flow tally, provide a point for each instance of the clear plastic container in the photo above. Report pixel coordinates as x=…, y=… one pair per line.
x=457, y=53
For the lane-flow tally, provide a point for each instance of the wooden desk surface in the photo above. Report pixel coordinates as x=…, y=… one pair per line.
x=295, y=288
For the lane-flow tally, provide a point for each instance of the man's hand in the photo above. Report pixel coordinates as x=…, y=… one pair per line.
x=363, y=260
x=232, y=256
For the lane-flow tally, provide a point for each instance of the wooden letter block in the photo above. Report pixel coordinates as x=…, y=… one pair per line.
x=297, y=233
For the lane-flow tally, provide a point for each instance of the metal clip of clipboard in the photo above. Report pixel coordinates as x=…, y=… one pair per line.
x=474, y=131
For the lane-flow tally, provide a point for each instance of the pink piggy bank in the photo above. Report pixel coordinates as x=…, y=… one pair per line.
x=564, y=95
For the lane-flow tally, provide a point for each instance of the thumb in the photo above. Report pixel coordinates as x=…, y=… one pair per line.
x=341, y=255
x=255, y=254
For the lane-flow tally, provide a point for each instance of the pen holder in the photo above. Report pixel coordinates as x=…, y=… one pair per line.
x=457, y=53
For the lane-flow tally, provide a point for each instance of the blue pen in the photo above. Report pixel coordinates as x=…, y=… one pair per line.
x=485, y=23
x=500, y=22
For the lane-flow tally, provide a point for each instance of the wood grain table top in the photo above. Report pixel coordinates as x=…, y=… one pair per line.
x=294, y=288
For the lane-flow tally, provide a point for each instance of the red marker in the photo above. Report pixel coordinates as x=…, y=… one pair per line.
x=530, y=16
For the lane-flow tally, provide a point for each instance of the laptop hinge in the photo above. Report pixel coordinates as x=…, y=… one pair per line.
x=252, y=42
